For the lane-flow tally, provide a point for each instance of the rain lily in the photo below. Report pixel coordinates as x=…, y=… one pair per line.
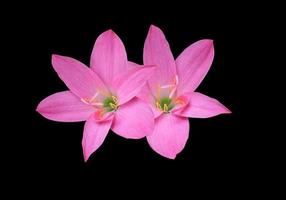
x=104, y=95
x=171, y=91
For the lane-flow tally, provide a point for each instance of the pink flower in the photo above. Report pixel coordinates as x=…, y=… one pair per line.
x=103, y=95
x=170, y=91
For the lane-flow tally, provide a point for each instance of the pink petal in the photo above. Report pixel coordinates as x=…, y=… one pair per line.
x=108, y=58
x=157, y=52
x=193, y=64
x=64, y=107
x=81, y=80
x=132, y=65
x=133, y=120
x=202, y=106
x=130, y=83
x=146, y=95
x=170, y=135
x=93, y=135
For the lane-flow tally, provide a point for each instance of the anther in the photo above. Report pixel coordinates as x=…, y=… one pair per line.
x=158, y=105
x=114, y=98
x=165, y=108
x=113, y=106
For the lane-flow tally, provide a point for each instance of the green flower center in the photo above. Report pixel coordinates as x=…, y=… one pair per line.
x=110, y=103
x=165, y=104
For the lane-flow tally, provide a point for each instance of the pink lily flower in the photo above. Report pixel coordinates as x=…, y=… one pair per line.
x=171, y=91
x=104, y=95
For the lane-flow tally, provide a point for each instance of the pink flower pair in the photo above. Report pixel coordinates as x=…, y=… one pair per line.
x=134, y=101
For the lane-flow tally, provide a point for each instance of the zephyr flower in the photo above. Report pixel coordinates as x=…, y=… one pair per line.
x=103, y=95
x=170, y=91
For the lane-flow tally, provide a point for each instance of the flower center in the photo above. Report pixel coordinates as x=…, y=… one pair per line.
x=104, y=102
x=165, y=104
x=110, y=103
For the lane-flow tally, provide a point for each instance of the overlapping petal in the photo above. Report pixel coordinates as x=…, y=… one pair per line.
x=146, y=95
x=130, y=83
x=133, y=120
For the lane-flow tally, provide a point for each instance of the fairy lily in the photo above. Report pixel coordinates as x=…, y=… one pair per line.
x=104, y=95
x=171, y=91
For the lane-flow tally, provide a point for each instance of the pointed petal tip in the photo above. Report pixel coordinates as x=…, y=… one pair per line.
x=57, y=57
x=168, y=156
x=109, y=32
x=85, y=158
x=153, y=28
x=228, y=111
x=38, y=109
x=210, y=41
x=207, y=41
x=225, y=110
x=86, y=155
x=53, y=56
x=172, y=157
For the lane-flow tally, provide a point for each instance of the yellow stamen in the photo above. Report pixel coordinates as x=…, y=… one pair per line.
x=165, y=108
x=114, y=98
x=158, y=105
x=113, y=106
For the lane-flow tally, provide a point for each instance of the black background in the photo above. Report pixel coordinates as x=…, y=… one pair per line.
x=218, y=152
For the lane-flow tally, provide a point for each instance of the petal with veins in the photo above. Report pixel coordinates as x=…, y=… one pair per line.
x=108, y=58
x=202, y=106
x=81, y=80
x=93, y=135
x=170, y=135
x=193, y=64
x=64, y=107
x=157, y=52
